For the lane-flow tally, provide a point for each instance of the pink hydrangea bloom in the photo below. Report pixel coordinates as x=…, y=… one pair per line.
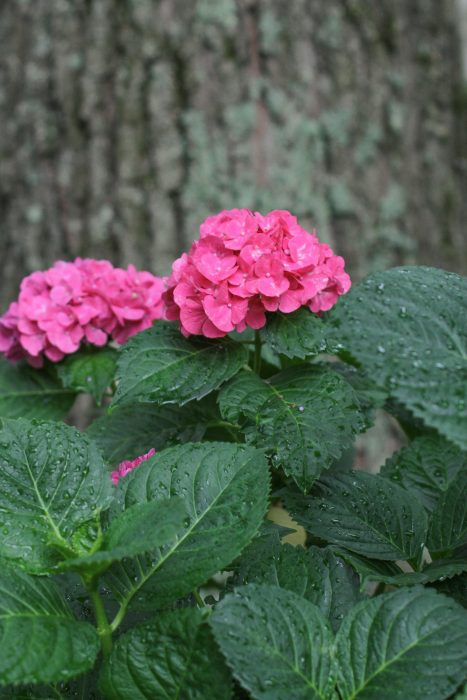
x=246, y=264
x=85, y=301
x=128, y=465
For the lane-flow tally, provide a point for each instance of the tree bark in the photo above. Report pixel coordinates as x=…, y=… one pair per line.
x=126, y=122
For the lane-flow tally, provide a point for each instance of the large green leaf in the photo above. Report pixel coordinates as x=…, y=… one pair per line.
x=316, y=574
x=448, y=526
x=277, y=643
x=31, y=393
x=304, y=417
x=139, y=529
x=90, y=371
x=174, y=656
x=365, y=513
x=52, y=479
x=135, y=428
x=41, y=642
x=299, y=334
x=407, y=327
x=159, y=365
x=426, y=467
x=411, y=643
x=225, y=490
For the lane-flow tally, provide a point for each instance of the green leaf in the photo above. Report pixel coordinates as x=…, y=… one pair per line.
x=31, y=393
x=41, y=641
x=411, y=643
x=370, y=396
x=462, y=695
x=390, y=573
x=174, y=656
x=225, y=490
x=406, y=327
x=426, y=467
x=304, y=417
x=448, y=526
x=134, y=429
x=277, y=643
x=90, y=371
x=365, y=513
x=317, y=575
x=159, y=365
x=299, y=334
x=369, y=569
x=139, y=529
x=52, y=479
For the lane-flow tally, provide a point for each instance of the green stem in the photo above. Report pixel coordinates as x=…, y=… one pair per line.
x=104, y=630
x=200, y=602
x=257, y=356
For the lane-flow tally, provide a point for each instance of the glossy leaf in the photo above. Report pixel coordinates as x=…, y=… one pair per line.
x=31, y=393
x=299, y=334
x=404, y=326
x=304, y=417
x=90, y=371
x=134, y=429
x=370, y=395
x=277, y=643
x=411, y=643
x=225, y=489
x=52, y=479
x=139, y=529
x=369, y=569
x=174, y=656
x=426, y=467
x=318, y=575
x=388, y=572
x=365, y=513
x=448, y=525
x=41, y=641
x=159, y=365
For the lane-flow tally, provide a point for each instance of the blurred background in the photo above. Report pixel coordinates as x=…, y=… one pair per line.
x=125, y=122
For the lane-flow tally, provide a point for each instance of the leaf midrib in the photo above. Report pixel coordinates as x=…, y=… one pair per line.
x=145, y=577
x=384, y=666
x=187, y=355
x=40, y=500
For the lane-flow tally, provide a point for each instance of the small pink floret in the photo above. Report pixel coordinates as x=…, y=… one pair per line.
x=85, y=301
x=129, y=465
x=246, y=264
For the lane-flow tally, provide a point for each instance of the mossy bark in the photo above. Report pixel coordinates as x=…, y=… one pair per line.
x=126, y=122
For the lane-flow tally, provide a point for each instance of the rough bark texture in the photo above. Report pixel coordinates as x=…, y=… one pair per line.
x=126, y=122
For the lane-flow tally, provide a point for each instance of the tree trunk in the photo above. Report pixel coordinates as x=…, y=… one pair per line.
x=126, y=122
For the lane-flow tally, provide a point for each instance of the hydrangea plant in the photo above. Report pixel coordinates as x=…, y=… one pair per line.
x=138, y=559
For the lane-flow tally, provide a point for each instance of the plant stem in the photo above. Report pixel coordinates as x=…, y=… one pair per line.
x=257, y=357
x=103, y=628
x=200, y=602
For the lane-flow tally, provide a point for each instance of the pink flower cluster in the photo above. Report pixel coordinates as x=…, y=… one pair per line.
x=85, y=301
x=128, y=465
x=245, y=264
